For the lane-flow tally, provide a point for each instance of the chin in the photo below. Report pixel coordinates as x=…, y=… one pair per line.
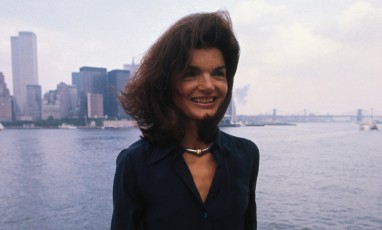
x=207, y=116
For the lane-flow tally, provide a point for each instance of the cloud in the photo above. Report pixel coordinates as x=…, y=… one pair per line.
x=330, y=63
x=240, y=94
x=256, y=12
x=362, y=22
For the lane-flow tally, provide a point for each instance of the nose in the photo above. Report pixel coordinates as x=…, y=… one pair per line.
x=206, y=82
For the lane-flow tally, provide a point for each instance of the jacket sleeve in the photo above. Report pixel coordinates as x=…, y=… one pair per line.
x=127, y=204
x=251, y=215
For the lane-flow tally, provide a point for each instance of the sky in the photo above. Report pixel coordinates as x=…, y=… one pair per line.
x=322, y=57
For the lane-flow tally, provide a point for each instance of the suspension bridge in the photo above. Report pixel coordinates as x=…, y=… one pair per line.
x=276, y=115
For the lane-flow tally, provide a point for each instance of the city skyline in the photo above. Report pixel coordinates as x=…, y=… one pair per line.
x=320, y=56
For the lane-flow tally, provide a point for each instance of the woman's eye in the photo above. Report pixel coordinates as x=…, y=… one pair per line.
x=219, y=73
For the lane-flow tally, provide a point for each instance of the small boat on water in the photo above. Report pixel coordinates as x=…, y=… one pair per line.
x=368, y=125
x=67, y=126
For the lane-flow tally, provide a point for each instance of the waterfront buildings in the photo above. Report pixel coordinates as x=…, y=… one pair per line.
x=91, y=80
x=95, y=105
x=24, y=70
x=98, y=91
x=93, y=93
x=229, y=118
x=132, y=68
x=6, y=104
x=60, y=103
x=51, y=106
x=116, y=80
x=76, y=79
x=32, y=110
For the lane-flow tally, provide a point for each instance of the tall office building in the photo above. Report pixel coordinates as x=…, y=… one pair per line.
x=116, y=81
x=91, y=80
x=24, y=67
x=95, y=105
x=76, y=79
x=34, y=103
x=131, y=67
x=5, y=101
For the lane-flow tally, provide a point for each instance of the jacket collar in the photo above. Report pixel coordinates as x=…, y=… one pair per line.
x=223, y=142
x=161, y=151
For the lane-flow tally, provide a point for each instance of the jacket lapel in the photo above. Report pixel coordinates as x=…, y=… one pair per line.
x=184, y=173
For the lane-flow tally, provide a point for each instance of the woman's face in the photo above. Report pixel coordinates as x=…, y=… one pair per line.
x=203, y=88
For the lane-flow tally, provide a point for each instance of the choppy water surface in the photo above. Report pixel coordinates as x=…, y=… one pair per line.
x=312, y=176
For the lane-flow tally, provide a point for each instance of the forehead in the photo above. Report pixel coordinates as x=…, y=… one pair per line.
x=211, y=56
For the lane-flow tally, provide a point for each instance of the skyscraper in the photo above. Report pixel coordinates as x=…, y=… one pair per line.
x=116, y=80
x=131, y=67
x=92, y=80
x=34, y=103
x=5, y=101
x=95, y=105
x=24, y=67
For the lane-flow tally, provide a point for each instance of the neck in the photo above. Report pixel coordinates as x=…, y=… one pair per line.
x=191, y=138
x=199, y=151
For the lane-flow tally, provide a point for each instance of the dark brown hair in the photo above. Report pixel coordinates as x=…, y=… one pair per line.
x=148, y=96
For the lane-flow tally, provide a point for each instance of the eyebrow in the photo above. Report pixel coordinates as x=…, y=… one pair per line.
x=217, y=68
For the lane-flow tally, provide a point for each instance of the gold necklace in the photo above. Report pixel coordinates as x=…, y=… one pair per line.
x=198, y=152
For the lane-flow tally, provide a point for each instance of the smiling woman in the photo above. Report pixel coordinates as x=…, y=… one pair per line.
x=203, y=88
x=185, y=173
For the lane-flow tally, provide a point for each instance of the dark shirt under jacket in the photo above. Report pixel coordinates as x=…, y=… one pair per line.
x=154, y=189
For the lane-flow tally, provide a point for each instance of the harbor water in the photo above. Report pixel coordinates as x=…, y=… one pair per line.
x=312, y=176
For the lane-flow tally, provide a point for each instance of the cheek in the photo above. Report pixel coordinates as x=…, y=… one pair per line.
x=224, y=89
x=180, y=89
x=179, y=100
x=183, y=92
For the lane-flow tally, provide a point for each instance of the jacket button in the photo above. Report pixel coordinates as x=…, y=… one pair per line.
x=205, y=215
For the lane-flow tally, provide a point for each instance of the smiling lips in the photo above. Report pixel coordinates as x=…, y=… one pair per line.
x=204, y=100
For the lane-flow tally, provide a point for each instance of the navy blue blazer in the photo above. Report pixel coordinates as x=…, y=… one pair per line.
x=154, y=189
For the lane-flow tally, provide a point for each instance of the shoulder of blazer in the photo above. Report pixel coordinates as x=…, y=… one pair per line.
x=233, y=141
x=137, y=149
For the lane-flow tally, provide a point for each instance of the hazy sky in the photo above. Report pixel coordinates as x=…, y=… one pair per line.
x=321, y=55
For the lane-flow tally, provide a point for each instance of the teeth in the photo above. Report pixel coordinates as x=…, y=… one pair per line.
x=203, y=100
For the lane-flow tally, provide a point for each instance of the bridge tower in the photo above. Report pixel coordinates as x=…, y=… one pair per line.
x=274, y=115
x=359, y=115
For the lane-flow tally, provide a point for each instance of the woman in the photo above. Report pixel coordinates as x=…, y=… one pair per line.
x=184, y=173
